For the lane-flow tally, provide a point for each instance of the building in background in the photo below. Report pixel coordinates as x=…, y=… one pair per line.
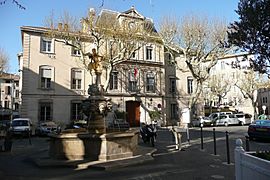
x=54, y=82
x=264, y=100
x=180, y=85
x=9, y=95
x=225, y=90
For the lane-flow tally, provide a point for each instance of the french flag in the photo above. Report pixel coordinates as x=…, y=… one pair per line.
x=135, y=71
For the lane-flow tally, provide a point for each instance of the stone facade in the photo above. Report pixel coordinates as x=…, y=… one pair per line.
x=51, y=72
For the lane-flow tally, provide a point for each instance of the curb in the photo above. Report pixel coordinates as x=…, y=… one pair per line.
x=142, y=155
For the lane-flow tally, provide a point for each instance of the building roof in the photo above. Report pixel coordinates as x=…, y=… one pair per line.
x=35, y=29
x=228, y=56
x=111, y=18
x=9, y=76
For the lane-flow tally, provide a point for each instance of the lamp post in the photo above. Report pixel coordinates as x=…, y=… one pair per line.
x=264, y=108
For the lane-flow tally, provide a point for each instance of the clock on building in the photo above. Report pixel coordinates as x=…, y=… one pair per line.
x=131, y=25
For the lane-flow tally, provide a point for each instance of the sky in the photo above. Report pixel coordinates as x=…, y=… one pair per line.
x=12, y=17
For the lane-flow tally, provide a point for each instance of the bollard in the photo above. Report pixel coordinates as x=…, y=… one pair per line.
x=201, y=138
x=173, y=137
x=228, y=148
x=29, y=137
x=188, y=138
x=247, y=143
x=215, y=145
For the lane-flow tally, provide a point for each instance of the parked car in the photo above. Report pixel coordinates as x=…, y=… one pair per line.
x=244, y=118
x=21, y=126
x=226, y=120
x=259, y=129
x=44, y=128
x=202, y=121
x=78, y=124
x=216, y=115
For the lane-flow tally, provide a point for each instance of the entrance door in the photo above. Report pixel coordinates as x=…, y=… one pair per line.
x=133, y=113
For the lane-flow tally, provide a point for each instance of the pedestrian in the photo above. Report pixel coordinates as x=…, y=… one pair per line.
x=177, y=137
x=8, y=141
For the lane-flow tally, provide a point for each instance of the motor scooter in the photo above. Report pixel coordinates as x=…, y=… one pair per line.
x=148, y=134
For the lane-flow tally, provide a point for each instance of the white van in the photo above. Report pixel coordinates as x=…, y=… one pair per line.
x=244, y=118
x=21, y=126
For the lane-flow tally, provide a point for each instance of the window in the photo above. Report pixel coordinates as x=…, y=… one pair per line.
x=149, y=51
x=222, y=65
x=6, y=104
x=133, y=55
x=190, y=85
x=172, y=85
x=75, y=52
x=174, y=111
x=114, y=80
x=16, y=106
x=233, y=75
x=8, y=90
x=76, y=79
x=132, y=82
x=45, y=111
x=264, y=100
x=17, y=83
x=150, y=82
x=76, y=111
x=46, y=45
x=170, y=56
x=46, y=77
x=17, y=92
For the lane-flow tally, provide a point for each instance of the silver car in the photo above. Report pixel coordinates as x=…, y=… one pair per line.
x=202, y=121
x=226, y=120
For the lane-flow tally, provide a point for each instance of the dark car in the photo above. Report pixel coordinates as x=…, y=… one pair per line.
x=45, y=128
x=259, y=129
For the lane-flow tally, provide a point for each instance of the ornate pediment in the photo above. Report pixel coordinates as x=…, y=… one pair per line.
x=132, y=13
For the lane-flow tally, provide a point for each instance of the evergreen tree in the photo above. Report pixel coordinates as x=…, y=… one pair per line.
x=252, y=32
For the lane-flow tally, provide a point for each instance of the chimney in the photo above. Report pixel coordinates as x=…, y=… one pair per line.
x=92, y=12
x=60, y=26
x=66, y=27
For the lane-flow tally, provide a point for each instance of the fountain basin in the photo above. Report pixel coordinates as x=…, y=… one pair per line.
x=92, y=146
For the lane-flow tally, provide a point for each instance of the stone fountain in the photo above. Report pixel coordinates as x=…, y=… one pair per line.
x=97, y=143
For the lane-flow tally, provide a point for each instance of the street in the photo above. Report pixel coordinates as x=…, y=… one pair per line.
x=190, y=163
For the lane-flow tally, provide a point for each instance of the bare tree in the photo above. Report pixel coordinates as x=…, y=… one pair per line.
x=249, y=90
x=115, y=41
x=4, y=59
x=19, y=5
x=217, y=87
x=202, y=40
x=64, y=18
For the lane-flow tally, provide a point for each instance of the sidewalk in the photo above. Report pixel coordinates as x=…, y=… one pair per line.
x=143, y=154
x=194, y=162
x=190, y=163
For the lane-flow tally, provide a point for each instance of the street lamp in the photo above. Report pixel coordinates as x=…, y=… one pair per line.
x=264, y=108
